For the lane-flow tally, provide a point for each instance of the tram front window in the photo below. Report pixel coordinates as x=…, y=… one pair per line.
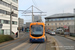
x=37, y=30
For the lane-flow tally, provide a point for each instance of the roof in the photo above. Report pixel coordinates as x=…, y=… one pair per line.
x=36, y=23
x=61, y=15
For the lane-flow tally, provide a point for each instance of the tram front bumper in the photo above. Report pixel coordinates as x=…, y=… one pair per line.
x=37, y=40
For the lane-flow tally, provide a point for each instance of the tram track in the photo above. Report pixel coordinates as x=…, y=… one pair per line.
x=37, y=47
x=13, y=43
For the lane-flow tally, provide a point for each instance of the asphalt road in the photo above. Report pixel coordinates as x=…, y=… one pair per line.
x=22, y=44
x=30, y=46
x=64, y=43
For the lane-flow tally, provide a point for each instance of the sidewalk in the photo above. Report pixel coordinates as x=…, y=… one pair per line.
x=51, y=43
x=69, y=37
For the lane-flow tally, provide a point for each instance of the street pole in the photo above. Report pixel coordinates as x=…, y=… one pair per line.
x=10, y=18
x=74, y=20
x=32, y=14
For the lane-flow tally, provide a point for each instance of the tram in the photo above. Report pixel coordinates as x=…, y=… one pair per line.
x=37, y=32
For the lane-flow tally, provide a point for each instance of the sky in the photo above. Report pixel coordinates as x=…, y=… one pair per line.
x=49, y=6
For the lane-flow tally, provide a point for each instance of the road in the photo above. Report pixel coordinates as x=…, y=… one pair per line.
x=64, y=43
x=22, y=44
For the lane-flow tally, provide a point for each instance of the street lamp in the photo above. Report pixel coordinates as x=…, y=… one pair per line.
x=74, y=20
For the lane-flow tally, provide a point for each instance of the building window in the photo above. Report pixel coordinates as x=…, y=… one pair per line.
x=61, y=18
x=65, y=18
x=69, y=18
x=51, y=23
x=53, y=19
x=63, y=23
x=59, y=23
x=57, y=19
x=48, y=24
x=14, y=22
x=7, y=13
x=49, y=19
x=15, y=1
x=5, y=21
x=72, y=18
x=67, y=23
x=6, y=31
x=72, y=23
x=8, y=5
x=0, y=20
x=56, y=24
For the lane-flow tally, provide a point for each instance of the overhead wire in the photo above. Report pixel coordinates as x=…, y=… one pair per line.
x=34, y=2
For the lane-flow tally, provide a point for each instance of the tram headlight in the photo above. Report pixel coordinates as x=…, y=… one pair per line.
x=42, y=37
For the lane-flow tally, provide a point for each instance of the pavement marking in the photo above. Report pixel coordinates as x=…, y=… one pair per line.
x=13, y=42
x=20, y=45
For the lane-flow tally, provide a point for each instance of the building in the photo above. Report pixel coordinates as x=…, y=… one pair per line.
x=37, y=18
x=59, y=20
x=28, y=24
x=20, y=22
x=5, y=16
x=24, y=25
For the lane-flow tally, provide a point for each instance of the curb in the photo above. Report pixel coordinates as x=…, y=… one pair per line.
x=69, y=38
x=56, y=43
x=9, y=41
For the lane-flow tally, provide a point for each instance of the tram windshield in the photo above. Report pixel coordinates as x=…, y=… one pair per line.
x=37, y=29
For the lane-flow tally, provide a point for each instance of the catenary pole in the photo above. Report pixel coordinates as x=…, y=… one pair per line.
x=10, y=18
x=74, y=20
x=32, y=14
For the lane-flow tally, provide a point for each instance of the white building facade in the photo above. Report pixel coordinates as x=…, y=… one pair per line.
x=5, y=16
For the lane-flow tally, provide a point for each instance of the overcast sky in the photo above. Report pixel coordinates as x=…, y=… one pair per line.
x=49, y=6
